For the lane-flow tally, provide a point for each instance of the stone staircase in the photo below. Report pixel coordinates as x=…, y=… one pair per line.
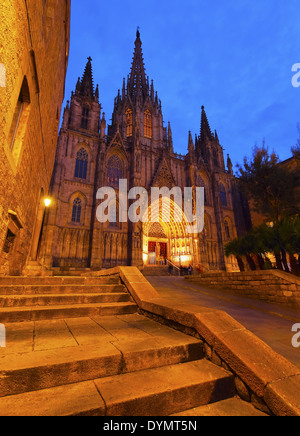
x=123, y=365
x=76, y=346
x=41, y=298
x=156, y=270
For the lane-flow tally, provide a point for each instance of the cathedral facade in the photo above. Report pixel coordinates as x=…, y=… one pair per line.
x=137, y=147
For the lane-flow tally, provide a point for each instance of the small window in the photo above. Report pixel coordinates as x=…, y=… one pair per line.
x=148, y=124
x=223, y=196
x=227, y=230
x=81, y=164
x=129, y=123
x=85, y=118
x=76, y=211
x=9, y=241
x=215, y=158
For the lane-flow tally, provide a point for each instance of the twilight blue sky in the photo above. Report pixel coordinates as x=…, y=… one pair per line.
x=234, y=57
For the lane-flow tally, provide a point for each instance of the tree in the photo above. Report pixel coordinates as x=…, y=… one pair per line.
x=271, y=186
x=296, y=149
x=234, y=248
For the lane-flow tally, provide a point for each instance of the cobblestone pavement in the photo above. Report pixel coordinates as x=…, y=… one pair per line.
x=270, y=322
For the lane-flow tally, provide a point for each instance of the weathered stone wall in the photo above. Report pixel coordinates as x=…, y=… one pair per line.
x=34, y=44
x=271, y=286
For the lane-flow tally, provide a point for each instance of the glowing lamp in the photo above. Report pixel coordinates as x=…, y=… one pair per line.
x=47, y=202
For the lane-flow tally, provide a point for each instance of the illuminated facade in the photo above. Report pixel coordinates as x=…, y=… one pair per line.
x=137, y=147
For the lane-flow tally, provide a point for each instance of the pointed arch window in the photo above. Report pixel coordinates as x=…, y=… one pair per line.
x=129, y=123
x=148, y=124
x=114, y=171
x=82, y=158
x=76, y=210
x=227, y=229
x=223, y=195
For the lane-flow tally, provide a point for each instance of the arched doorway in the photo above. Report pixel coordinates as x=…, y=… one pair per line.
x=167, y=239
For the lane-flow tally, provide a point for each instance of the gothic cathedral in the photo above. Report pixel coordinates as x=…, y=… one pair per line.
x=137, y=147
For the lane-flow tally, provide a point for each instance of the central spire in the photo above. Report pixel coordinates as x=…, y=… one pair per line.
x=205, y=132
x=85, y=86
x=138, y=85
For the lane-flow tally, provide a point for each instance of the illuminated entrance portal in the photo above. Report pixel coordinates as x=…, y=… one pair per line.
x=167, y=239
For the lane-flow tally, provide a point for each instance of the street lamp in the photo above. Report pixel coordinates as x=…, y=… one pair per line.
x=47, y=202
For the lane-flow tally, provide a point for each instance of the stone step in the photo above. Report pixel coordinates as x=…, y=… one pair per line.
x=231, y=407
x=61, y=289
x=151, y=392
x=37, y=281
x=22, y=314
x=38, y=370
x=159, y=270
x=55, y=300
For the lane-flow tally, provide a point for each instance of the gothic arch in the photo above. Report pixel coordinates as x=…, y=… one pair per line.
x=180, y=243
x=77, y=196
x=82, y=160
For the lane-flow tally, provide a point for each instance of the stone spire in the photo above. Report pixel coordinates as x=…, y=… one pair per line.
x=87, y=85
x=191, y=146
x=138, y=86
x=229, y=165
x=205, y=132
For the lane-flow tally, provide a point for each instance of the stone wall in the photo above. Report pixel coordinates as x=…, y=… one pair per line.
x=34, y=45
x=271, y=286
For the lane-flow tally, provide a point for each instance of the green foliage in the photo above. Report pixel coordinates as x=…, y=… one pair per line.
x=280, y=238
x=273, y=188
x=296, y=149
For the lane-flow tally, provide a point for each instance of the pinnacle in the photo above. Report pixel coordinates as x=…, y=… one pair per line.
x=205, y=131
x=137, y=82
x=87, y=84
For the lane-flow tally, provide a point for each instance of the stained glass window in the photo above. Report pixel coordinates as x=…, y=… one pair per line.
x=76, y=211
x=81, y=164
